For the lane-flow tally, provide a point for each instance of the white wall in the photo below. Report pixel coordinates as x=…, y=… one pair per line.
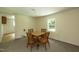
x=0, y=30
x=67, y=25
x=23, y=22
x=41, y=23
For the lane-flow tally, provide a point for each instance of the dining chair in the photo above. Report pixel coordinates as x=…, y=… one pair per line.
x=30, y=30
x=43, y=30
x=30, y=42
x=44, y=39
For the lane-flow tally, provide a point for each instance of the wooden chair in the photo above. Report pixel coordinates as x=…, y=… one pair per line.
x=43, y=30
x=30, y=42
x=44, y=39
x=30, y=30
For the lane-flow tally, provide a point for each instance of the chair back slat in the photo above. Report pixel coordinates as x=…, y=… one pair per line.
x=30, y=30
x=43, y=30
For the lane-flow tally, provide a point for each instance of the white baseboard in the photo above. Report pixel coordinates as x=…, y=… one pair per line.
x=65, y=42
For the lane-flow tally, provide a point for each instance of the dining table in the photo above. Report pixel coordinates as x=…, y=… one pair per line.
x=37, y=35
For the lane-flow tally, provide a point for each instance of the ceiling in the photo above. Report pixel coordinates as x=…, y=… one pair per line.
x=32, y=11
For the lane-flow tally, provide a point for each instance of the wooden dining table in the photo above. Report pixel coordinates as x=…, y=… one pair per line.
x=37, y=35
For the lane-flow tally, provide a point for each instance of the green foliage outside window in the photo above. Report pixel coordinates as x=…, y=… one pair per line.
x=52, y=24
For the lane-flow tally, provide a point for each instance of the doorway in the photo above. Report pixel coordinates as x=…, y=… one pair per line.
x=8, y=29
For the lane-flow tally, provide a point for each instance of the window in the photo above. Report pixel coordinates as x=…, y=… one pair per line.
x=13, y=18
x=51, y=24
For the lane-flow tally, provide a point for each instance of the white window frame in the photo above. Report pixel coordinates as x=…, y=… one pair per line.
x=52, y=29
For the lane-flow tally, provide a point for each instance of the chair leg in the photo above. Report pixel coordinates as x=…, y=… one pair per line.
x=37, y=46
x=27, y=45
x=45, y=47
x=32, y=45
x=31, y=49
x=49, y=44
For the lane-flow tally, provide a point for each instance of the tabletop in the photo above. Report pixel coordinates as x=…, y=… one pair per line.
x=37, y=33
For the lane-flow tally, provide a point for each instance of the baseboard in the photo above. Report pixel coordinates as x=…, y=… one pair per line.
x=21, y=37
x=63, y=41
